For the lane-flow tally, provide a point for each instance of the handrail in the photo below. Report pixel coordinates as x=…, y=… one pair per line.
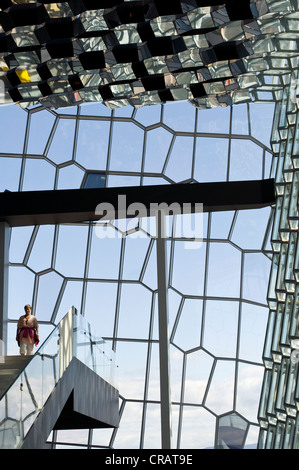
x=26, y=396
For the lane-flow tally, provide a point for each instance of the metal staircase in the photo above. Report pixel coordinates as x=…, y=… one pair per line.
x=69, y=383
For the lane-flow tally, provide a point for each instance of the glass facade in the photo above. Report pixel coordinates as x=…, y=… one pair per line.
x=223, y=83
x=280, y=398
x=26, y=398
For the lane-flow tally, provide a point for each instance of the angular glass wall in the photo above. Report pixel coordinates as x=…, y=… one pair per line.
x=278, y=413
x=218, y=309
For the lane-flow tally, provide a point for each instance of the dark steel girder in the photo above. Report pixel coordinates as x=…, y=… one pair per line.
x=79, y=205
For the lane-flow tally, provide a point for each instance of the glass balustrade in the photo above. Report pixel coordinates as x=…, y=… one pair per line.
x=93, y=351
x=27, y=395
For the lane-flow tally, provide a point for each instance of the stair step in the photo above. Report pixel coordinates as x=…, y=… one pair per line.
x=10, y=368
x=14, y=362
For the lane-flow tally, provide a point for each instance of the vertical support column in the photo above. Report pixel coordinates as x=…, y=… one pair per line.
x=5, y=232
x=163, y=332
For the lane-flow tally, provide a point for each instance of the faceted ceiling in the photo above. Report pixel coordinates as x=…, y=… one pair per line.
x=145, y=52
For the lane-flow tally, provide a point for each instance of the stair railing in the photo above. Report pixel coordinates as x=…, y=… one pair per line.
x=27, y=395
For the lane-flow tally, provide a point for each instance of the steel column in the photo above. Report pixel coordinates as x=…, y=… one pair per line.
x=165, y=389
x=5, y=231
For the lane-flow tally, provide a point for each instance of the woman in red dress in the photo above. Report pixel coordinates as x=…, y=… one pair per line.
x=27, y=332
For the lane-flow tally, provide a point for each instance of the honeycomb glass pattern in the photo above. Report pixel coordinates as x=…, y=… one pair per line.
x=218, y=309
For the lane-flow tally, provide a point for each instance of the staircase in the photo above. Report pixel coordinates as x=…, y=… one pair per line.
x=66, y=384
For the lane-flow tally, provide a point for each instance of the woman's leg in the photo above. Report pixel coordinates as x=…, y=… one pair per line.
x=26, y=349
x=30, y=349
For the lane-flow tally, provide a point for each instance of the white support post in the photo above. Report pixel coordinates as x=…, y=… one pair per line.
x=5, y=232
x=165, y=390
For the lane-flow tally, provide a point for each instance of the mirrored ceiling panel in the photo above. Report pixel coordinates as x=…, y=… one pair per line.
x=145, y=52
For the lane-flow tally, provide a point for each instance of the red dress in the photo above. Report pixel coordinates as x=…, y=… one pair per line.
x=27, y=329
